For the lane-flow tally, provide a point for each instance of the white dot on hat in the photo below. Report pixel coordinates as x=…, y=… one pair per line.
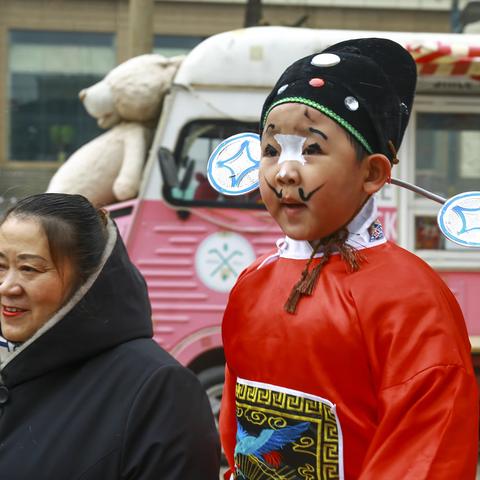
x=351, y=103
x=325, y=60
x=282, y=89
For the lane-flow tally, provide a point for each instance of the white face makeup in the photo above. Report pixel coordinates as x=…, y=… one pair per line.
x=292, y=148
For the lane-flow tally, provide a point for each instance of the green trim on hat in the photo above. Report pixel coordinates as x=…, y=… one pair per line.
x=330, y=113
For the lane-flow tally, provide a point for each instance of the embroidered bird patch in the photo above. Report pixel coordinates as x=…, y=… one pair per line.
x=265, y=447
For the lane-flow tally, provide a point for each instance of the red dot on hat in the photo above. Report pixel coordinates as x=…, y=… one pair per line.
x=316, y=82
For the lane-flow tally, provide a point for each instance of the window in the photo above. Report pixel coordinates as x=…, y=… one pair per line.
x=446, y=162
x=47, y=70
x=197, y=141
x=447, y=146
x=172, y=45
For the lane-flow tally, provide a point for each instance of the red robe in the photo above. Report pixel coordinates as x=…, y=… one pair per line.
x=371, y=378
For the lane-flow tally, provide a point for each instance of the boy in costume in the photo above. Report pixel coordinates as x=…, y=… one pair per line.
x=347, y=356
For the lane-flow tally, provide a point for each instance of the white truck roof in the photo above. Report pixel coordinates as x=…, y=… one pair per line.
x=255, y=57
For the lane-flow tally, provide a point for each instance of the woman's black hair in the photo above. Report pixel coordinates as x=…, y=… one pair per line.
x=75, y=229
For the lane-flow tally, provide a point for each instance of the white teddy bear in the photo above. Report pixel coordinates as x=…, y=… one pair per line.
x=109, y=168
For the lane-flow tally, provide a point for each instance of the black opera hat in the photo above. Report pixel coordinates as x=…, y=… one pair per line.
x=366, y=85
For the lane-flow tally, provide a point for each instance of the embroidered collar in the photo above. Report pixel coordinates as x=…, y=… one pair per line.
x=364, y=231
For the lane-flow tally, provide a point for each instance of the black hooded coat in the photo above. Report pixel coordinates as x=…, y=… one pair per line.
x=92, y=397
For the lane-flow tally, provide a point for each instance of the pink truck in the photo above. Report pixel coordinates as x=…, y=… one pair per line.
x=191, y=243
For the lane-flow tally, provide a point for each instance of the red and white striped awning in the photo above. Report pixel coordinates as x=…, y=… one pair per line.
x=438, y=58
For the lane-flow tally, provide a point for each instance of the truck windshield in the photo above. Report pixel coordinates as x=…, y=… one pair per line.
x=196, y=142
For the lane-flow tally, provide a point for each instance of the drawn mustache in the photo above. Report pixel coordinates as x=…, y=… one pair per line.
x=301, y=193
x=279, y=194
x=308, y=196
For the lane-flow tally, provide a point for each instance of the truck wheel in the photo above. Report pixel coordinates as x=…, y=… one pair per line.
x=212, y=380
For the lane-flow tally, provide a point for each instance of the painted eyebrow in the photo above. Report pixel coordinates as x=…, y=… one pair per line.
x=271, y=128
x=318, y=132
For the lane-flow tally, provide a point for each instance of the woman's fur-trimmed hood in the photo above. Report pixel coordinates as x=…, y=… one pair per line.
x=111, y=307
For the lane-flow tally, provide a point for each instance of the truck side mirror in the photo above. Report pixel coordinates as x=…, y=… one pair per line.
x=187, y=176
x=168, y=167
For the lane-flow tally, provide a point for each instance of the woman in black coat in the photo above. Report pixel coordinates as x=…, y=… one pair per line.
x=85, y=392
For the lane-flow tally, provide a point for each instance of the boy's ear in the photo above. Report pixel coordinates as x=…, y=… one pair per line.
x=377, y=171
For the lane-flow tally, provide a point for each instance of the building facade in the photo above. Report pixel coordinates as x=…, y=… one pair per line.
x=51, y=49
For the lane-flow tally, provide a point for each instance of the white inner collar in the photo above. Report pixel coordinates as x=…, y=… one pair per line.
x=359, y=237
